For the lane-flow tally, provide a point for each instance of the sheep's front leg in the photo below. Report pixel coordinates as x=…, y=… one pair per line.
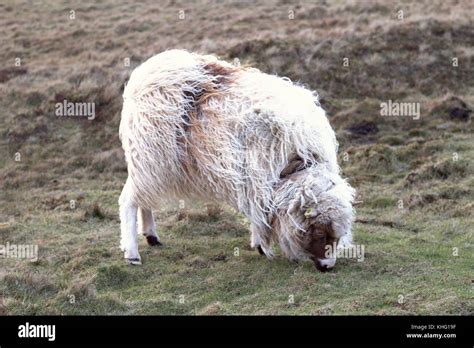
x=255, y=239
x=147, y=226
x=259, y=239
x=128, y=227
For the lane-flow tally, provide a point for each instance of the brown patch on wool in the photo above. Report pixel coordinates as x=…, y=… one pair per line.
x=223, y=73
x=222, y=76
x=194, y=139
x=200, y=115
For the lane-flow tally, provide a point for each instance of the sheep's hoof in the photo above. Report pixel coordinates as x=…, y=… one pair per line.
x=134, y=261
x=153, y=240
x=260, y=250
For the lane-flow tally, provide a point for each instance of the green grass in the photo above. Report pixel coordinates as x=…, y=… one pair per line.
x=197, y=270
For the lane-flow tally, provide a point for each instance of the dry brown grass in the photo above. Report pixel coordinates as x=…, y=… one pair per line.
x=409, y=250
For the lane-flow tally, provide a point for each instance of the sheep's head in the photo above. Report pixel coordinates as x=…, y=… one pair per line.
x=314, y=213
x=320, y=243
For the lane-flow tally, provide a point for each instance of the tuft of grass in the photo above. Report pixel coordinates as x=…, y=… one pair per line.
x=441, y=170
x=113, y=276
x=94, y=211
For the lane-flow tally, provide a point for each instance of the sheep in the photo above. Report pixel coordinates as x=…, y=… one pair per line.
x=196, y=127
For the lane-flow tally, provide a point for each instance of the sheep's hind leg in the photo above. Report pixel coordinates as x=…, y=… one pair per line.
x=128, y=227
x=147, y=226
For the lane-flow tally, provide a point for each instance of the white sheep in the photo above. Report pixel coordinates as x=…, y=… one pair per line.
x=195, y=127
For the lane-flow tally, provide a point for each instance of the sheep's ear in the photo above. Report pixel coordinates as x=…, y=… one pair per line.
x=294, y=165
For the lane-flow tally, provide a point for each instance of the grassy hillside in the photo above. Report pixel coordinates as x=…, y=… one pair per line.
x=60, y=178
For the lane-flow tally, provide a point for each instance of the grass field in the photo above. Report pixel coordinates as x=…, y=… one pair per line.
x=60, y=179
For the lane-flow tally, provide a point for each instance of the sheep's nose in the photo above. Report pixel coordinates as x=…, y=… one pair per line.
x=324, y=265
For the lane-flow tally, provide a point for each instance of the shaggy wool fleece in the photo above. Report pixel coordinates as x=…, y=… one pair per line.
x=194, y=126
